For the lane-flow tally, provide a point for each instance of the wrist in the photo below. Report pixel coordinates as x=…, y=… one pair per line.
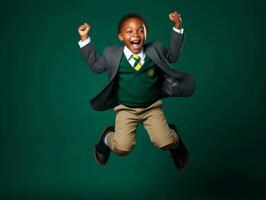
x=178, y=25
x=84, y=37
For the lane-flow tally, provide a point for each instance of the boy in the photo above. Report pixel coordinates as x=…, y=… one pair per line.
x=139, y=76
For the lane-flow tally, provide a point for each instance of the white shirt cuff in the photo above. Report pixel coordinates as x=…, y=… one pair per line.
x=181, y=31
x=84, y=42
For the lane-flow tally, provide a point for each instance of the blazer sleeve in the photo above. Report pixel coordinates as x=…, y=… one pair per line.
x=173, y=52
x=96, y=62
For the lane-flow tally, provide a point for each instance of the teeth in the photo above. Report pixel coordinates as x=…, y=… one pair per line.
x=136, y=41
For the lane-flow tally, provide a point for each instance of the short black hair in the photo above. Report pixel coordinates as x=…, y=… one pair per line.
x=129, y=16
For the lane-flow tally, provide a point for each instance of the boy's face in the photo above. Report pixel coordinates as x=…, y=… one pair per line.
x=132, y=33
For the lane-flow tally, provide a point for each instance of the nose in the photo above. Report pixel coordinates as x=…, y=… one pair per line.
x=135, y=33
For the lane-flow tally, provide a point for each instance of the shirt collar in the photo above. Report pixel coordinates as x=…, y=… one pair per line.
x=129, y=53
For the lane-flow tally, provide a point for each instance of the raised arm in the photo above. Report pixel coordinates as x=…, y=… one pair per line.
x=172, y=53
x=96, y=62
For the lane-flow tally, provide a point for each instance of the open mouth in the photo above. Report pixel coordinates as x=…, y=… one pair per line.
x=136, y=44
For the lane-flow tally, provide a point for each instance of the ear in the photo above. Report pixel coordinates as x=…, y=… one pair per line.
x=120, y=37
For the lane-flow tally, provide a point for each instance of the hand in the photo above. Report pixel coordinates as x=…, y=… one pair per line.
x=84, y=31
x=175, y=17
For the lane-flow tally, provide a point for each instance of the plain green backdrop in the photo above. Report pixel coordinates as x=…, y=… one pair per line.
x=48, y=130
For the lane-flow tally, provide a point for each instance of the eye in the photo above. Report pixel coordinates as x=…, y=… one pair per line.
x=142, y=31
x=129, y=32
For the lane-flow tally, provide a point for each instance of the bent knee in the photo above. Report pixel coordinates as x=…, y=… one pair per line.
x=121, y=152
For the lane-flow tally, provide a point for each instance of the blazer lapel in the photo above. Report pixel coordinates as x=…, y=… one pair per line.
x=115, y=59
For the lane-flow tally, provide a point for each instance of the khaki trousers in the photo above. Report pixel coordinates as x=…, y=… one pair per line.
x=153, y=120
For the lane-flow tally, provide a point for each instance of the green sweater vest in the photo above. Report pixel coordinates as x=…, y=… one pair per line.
x=138, y=88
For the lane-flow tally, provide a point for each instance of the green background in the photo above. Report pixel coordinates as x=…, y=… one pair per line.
x=48, y=131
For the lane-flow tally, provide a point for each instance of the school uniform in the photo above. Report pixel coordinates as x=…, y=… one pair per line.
x=135, y=95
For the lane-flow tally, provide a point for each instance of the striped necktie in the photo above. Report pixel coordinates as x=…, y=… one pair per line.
x=137, y=64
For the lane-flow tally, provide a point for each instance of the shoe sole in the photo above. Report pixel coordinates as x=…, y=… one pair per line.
x=94, y=152
x=179, y=136
x=184, y=168
x=95, y=158
x=186, y=163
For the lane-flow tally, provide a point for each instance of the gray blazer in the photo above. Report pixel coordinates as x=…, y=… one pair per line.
x=175, y=83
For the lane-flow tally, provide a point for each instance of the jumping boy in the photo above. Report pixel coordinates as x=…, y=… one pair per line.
x=139, y=75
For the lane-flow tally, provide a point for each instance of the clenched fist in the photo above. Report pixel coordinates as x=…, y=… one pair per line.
x=84, y=31
x=175, y=17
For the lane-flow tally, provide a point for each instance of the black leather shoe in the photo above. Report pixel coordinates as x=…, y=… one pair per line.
x=101, y=150
x=180, y=153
